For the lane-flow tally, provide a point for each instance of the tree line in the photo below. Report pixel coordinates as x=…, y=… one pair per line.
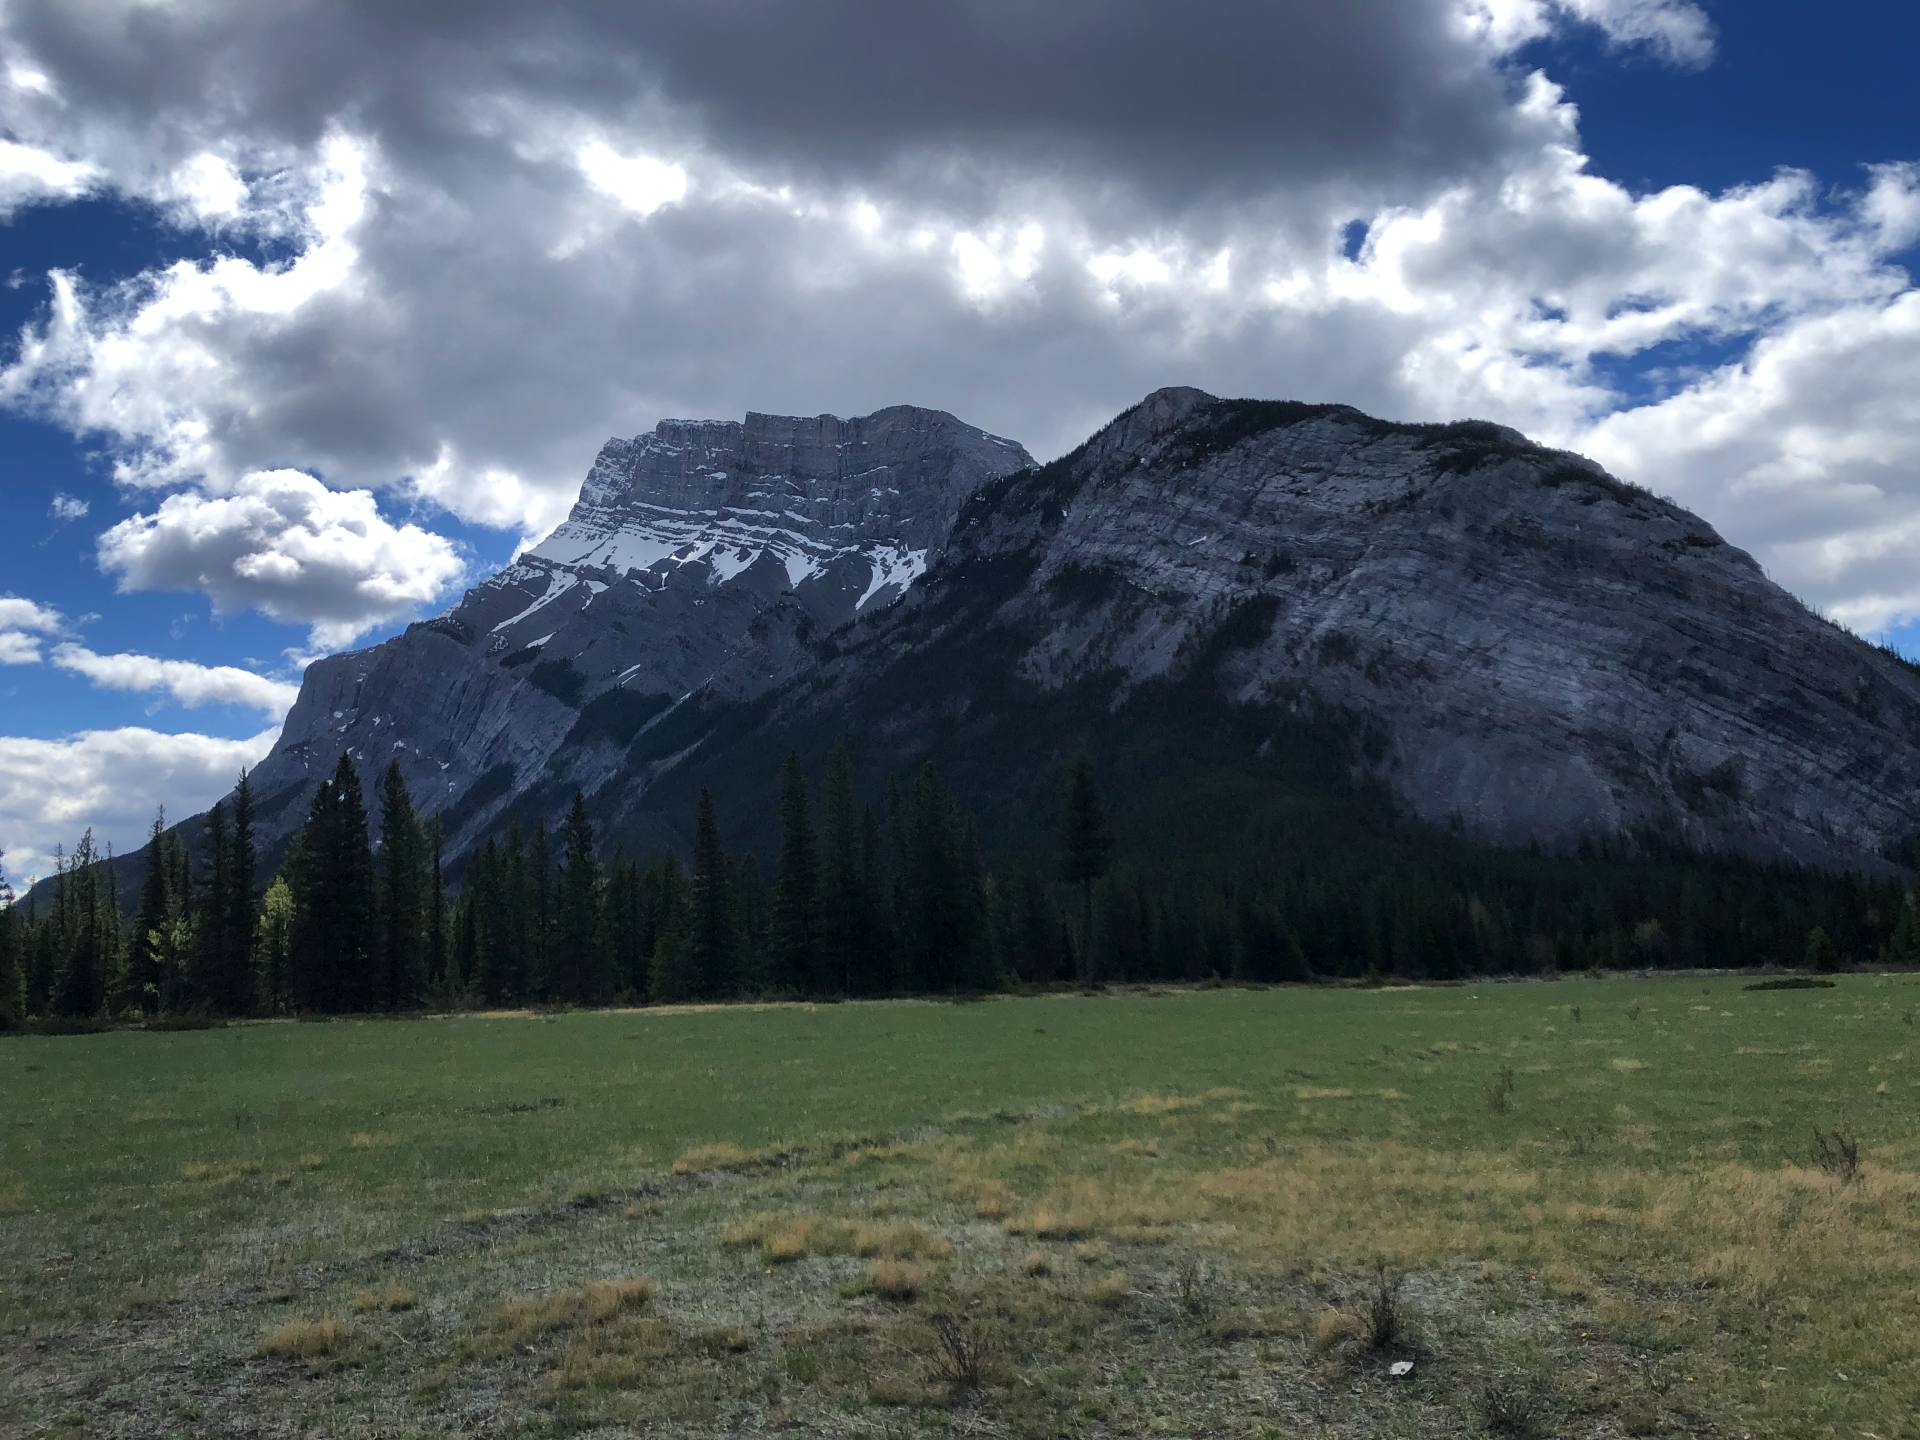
x=865, y=897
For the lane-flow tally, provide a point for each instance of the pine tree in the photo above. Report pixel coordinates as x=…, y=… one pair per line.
x=1904, y=948
x=238, y=985
x=12, y=952
x=81, y=990
x=1086, y=849
x=273, y=945
x=934, y=928
x=437, y=937
x=670, y=972
x=207, y=979
x=44, y=968
x=351, y=866
x=400, y=963
x=578, y=963
x=844, y=906
x=538, y=973
x=875, y=975
x=1821, y=955
x=149, y=955
x=712, y=956
x=313, y=963
x=795, y=941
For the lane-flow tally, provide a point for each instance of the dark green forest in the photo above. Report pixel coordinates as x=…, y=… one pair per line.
x=882, y=890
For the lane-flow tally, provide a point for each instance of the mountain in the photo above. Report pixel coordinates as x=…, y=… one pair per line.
x=1263, y=618
x=705, y=557
x=1228, y=601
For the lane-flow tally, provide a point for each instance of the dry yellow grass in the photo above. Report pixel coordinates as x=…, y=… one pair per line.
x=594, y=1303
x=1094, y=1207
x=373, y=1139
x=1038, y=1262
x=1109, y=1289
x=312, y=1160
x=1140, y=1149
x=305, y=1339
x=384, y=1297
x=785, y=1237
x=896, y=1279
x=1333, y=1328
x=721, y=1155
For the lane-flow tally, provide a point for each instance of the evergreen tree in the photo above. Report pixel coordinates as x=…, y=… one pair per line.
x=400, y=962
x=149, y=954
x=579, y=967
x=936, y=928
x=44, y=967
x=710, y=940
x=273, y=946
x=312, y=964
x=1904, y=949
x=12, y=952
x=539, y=916
x=1086, y=849
x=437, y=937
x=238, y=985
x=207, y=980
x=352, y=865
x=81, y=990
x=844, y=905
x=875, y=973
x=795, y=940
x=1821, y=954
x=670, y=972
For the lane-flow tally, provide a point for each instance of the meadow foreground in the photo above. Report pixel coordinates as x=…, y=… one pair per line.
x=1585, y=1208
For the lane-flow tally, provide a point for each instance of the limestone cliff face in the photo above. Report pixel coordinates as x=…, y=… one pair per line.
x=703, y=554
x=1524, y=647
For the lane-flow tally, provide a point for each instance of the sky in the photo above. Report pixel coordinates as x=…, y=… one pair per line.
x=314, y=312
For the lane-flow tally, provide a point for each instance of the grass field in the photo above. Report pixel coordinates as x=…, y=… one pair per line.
x=1593, y=1208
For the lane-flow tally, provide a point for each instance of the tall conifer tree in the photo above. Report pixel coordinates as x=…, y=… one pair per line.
x=149, y=952
x=401, y=930
x=1086, y=849
x=578, y=958
x=795, y=938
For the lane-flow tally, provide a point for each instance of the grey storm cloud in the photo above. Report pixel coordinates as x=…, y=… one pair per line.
x=1171, y=107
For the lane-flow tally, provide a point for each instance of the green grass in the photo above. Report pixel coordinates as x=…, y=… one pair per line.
x=1144, y=1212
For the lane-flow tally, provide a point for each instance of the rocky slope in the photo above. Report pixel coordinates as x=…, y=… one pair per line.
x=1509, y=640
x=703, y=554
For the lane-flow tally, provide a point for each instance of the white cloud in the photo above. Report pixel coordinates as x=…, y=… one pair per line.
x=29, y=174
x=491, y=266
x=286, y=545
x=1677, y=30
x=23, y=623
x=188, y=683
x=52, y=790
x=68, y=507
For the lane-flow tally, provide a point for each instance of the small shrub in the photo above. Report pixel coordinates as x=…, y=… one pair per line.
x=1193, y=1291
x=1573, y=1013
x=1500, y=1091
x=1038, y=1262
x=1633, y=1011
x=305, y=1339
x=960, y=1351
x=1383, y=1320
x=898, y=1280
x=1110, y=1289
x=1837, y=1152
x=1513, y=1410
